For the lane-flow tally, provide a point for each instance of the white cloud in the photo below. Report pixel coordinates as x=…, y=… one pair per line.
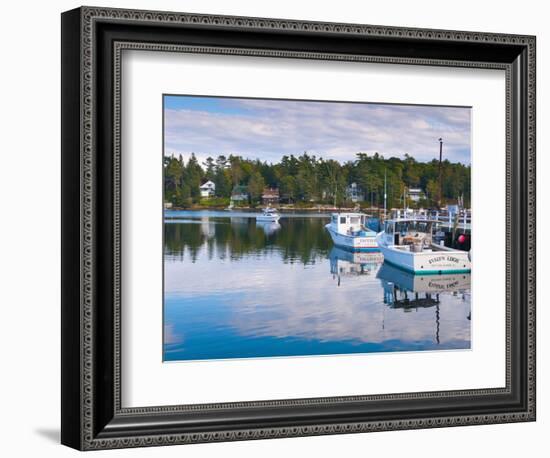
x=268, y=129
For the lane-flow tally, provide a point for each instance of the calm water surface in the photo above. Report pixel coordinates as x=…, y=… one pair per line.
x=235, y=288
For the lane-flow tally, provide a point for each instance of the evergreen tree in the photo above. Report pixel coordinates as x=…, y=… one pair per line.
x=256, y=186
x=193, y=177
x=308, y=179
x=209, y=168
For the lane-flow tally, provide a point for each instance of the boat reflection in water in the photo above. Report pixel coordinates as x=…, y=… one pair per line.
x=268, y=227
x=407, y=291
x=347, y=263
x=234, y=288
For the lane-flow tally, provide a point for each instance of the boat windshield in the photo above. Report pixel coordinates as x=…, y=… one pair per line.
x=404, y=227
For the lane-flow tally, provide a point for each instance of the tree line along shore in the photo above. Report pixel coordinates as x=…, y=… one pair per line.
x=310, y=182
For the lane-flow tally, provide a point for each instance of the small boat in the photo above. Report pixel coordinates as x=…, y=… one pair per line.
x=349, y=231
x=268, y=215
x=408, y=244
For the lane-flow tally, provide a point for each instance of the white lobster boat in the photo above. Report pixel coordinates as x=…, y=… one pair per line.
x=268, y=215
x=349, y=231
x=407, y=244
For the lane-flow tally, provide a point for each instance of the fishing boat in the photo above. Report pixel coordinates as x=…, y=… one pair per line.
x=408, y=244
x=268, y=215
x=349, y=231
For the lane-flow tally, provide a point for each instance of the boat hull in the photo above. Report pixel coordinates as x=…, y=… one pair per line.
x=268, y=219
x=427, y=263
x=353, y=243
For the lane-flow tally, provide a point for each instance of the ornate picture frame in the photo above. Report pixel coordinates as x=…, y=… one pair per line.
x=93, y=416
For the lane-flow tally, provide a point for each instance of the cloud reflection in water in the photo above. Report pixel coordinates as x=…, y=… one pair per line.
x=240, y=291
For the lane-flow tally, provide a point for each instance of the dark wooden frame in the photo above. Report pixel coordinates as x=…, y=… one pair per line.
x=92, y=42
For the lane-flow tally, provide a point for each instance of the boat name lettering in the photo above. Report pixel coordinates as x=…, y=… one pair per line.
x=444, y=258
x=450, y=285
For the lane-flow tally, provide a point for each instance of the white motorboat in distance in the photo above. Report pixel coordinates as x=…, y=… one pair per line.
x=349, y=231
x=268, y=215
x=408, y=244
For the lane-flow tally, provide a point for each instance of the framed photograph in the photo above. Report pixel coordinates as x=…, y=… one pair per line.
x=277, y=228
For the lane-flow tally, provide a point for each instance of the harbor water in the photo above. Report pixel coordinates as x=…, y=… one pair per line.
x=237, y=288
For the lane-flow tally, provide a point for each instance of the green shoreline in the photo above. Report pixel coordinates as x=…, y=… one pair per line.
x=280, y=209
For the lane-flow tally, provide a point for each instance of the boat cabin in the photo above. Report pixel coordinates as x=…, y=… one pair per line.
x=350, y=224
x=413, y=233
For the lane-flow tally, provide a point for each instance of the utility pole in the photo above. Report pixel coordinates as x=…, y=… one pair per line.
x=385, y=193
x=439, y=198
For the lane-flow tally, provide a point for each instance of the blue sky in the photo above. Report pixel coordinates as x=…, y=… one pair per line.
x=267, y=129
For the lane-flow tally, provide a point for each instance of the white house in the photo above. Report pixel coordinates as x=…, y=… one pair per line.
x=415, y=194
x=208, y=189
x=355, y=193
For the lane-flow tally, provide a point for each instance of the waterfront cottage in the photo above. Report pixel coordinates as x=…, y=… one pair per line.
x=239, y=194
x=270, y=196
x=355, y=193
x=208, y=189
x=415, y=194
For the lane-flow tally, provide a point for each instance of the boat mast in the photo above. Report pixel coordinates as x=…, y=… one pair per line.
x=440, y=176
